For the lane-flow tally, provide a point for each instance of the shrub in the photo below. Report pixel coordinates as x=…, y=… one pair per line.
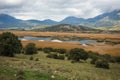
x=93, y=55
x=61, y=51
x=39, y=49
x=117, y=59
x=52, y=55
x=9, y=44
x=31, y=58
x=107, y=57
x=73, y=61
x=37, y=59
x=20, y=75
x=49, y=56
x=62, y=57
x=102, y=64
x=77, y=54
x=93, y=60
x=47, y=49
x=55, y=56
x=30, y=48
x=112, y=60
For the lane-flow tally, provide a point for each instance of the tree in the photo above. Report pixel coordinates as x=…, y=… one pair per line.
x=102, y=64
x=30, y=48
x=9, y=44
x=77, y=54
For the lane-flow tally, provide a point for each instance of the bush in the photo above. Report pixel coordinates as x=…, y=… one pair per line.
x=31, y=58
x=117, y=59
x=62, y=57
x=39, y=49
x=30, y=48
x=93, y=60
x=9, y=44
x=49, y=56
x=20, y=75
x=77, y=54
x=55, y=56
x=94, y=55
x=112, y=60
x=37, y=59
x=52, y=55
x=107, y=57
x=102, y=64
x=47, y=49
x=61, y=51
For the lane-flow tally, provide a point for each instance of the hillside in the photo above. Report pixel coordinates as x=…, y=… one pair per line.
x=45, y=67
x=65, y=28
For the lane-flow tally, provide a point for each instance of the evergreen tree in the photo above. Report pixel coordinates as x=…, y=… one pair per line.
x=30, y=48
x=9, y=44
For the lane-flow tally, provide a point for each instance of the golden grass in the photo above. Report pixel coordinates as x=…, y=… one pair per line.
x=100, y=48
x=42, y=44
x=61, y=34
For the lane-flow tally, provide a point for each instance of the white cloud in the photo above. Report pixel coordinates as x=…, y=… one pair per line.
x=56, y=9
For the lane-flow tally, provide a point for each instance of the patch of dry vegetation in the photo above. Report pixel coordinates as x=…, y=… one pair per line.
x=113, y=50
x=100, y=48
x=61, y=34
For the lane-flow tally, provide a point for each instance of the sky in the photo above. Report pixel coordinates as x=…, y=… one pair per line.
x=56, y=9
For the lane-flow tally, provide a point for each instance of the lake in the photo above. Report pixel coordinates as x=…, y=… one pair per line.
x=85, y=41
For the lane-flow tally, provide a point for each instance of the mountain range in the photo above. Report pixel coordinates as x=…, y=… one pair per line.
x=104, y=20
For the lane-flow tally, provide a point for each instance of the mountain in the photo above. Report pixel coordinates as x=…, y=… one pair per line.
x=105, y=20
x=66, y=28
x=7, y=21
x=44, y=22
x=109, y=19
x=72, y=20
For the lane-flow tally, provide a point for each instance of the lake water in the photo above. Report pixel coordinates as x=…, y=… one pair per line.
x=86, y=41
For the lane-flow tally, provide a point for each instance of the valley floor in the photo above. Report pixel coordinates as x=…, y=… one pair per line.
x=112, y=46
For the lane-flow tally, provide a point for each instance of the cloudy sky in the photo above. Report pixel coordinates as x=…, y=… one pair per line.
x=56, y=9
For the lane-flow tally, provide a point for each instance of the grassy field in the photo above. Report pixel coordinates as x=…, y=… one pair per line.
x=61, y=69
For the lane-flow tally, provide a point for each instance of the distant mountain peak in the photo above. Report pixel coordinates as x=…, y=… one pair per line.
x=49, y=20
x=6, y=16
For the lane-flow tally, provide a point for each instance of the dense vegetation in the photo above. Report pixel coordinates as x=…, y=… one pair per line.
x=30, y=48
x=77, y=54
x=9, y=44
